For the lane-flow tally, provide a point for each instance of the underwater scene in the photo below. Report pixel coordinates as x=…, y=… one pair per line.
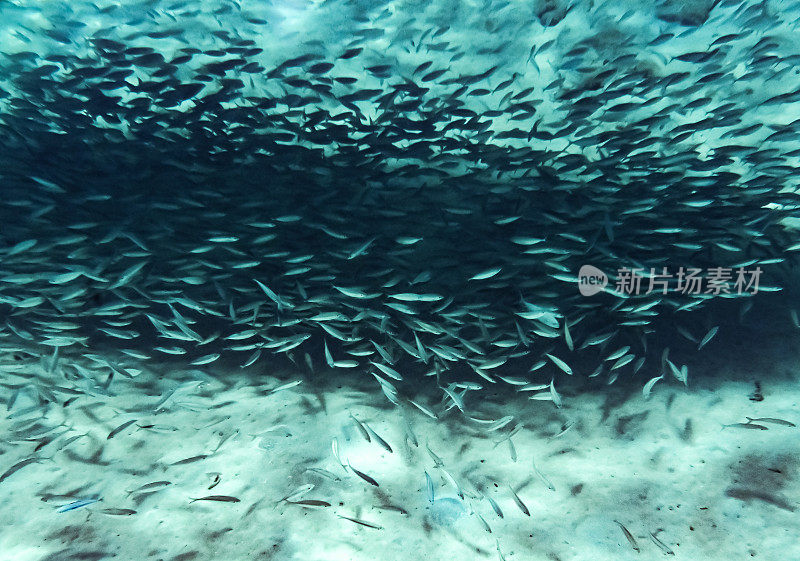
x=363, y=280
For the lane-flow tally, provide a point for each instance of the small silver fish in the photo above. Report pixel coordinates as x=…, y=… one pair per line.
x=378, y=439
x=361, y=428
x=80, y=503
x=363, y=476
x=19, y=465
x=772, y=420
x=708, y=336
x=361, y=522
x=519, y=502
x=118, y=511
x=629, y=537
x=120, y=428
x=752, y=426
x=217, y=498
x=154, y=486
x=661, y=545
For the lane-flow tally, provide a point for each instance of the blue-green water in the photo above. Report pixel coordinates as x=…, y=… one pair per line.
x=245, y=244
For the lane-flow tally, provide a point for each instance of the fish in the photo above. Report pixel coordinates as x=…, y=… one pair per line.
x=771, y=420
x=120, y=428
x=363, y=476
x=560, y=363
x=350, y=53
x=361, y=522
x=495, y=506
x=378, y=439
x=118, y=511
x=361, y=429
x=424, y=409
x=487, y=274
x=457, y=399
x=707, y=337
x=217, y=498
x=18, y=466
x=286, y=386
x=628, y=536
x=453, y=482
x=542, y=476
x=207, y=359
x=389, y=371
x=661, y=545
x=80, y=503
x=649, y=386
x=298, y=493
x=747, y=425
x=568, y=337
x=335, y=450
x=500, y=423
x=324, y=473
x=436, y=459
x=430, y=488
x=512, y=451
x=555, y=396
x=191, y=460
x=519, y=502
x=150, y=487
x=312, y=503
x=441, y=225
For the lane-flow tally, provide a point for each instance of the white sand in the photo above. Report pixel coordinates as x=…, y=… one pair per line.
x=637, y=465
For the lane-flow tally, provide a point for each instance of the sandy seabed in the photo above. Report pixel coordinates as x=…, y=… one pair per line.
x=662, y=467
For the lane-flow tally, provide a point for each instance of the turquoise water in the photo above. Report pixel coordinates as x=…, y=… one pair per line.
x=264, y=266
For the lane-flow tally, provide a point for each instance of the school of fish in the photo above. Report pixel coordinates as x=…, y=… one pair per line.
x=405, y=190
x=400, y=191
